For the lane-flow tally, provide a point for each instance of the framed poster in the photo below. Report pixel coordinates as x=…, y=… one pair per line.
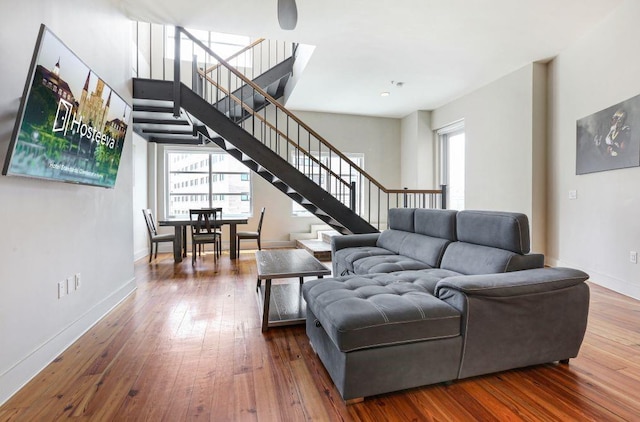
x=610, y=138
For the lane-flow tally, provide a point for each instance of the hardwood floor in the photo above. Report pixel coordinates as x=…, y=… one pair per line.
x=187, y=345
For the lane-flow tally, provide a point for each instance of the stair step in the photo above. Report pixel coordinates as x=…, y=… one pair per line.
x=326, y=235
x=314, y=232
x=319, y=249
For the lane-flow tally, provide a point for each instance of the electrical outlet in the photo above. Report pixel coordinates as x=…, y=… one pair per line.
x=633, y=257
x=573, y=194
x=62, y=288
x=77, y=281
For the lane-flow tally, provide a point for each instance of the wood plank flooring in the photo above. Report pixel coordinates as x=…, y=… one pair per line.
x=187, y=345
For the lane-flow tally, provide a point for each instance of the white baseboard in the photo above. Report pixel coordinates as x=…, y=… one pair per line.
x=23, y=371
x=141, y=254
x=617, y=285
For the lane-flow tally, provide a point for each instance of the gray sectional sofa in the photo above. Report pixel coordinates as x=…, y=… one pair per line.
x=441, y=295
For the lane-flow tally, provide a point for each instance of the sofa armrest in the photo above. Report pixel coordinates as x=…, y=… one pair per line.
x=517, y=319
x=353, y=240
x=526, y=262
x=513, y=283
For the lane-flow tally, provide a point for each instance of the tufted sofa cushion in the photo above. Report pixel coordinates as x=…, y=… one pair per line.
x=387, y=264
x=360, y=312
x=346, y=257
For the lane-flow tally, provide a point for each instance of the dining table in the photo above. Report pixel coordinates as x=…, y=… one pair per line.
x=180, y=225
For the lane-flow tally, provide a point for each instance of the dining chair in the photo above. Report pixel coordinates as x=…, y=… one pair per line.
x=204, y=230
x=250, y=235
x=154, y=237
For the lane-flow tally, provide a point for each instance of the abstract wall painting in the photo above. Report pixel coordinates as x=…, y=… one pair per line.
x=610, y=138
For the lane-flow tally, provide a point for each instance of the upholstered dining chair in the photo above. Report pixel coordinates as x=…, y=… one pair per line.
x=154, y=237
x=250, y=235
x=204, y=229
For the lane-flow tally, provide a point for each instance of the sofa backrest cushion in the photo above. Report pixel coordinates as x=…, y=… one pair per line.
x=502, y=230
x=436, y=223
x=467, y=258
x=392, y=239
x=423, y=248
x=401, y=219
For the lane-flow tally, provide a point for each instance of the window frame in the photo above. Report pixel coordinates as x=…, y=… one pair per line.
x=443, y=134
x=208, y=175
x=358, y=158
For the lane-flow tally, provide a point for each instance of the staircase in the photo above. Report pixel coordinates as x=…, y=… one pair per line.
x=241, y=115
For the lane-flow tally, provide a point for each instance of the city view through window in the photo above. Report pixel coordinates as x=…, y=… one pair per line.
x=206, y=180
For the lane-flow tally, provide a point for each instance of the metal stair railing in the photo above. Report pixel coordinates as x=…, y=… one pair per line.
x=285, y=134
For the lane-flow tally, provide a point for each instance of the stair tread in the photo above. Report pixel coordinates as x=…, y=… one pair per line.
x=319, y=249
x=315, y=244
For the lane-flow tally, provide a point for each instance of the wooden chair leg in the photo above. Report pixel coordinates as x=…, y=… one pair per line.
x=156, y=254
x=150, y=251
x=259, y=247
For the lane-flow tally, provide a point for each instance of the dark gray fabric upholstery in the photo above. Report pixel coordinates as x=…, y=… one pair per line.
x=361, y=312
x=387, y=264
x=518, y=319
x=504, y=230
x=343, y=259
x=436, y=223
x=442, y=295
x=526, y=262
x=426, y=249
x=378, y=370
x=353, y=240
x=426, y=279
x=518, y=283
x=338, y=243
x=401, y=219
x=392, y=240
x=467, y=258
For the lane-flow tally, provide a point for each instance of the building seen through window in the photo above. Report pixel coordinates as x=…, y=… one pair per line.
x=197, y=179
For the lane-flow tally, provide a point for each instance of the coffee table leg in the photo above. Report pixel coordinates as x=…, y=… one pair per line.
x=265, y=309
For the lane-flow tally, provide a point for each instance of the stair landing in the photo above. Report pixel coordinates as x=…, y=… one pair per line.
x=320, y=248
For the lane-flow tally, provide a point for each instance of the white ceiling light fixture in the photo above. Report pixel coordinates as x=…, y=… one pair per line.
x=287, y=14
x=385, y=94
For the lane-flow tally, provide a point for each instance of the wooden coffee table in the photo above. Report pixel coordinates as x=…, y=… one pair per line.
x=289, y=306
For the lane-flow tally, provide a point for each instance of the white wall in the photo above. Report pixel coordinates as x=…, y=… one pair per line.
x=418, y=151
x=51, y=230
x=501, y=166
x=140, y=186
x=596, y=231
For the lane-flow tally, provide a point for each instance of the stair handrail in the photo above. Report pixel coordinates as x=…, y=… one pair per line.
x=274, y=128
x=234, y=55
x=368, y=186
x=268, y=97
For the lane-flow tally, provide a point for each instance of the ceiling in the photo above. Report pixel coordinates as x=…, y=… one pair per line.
x=439, y=49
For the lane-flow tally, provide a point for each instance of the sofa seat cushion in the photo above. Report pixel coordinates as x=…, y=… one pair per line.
x=426, y=279
x=347, y=256
x=387, y=264
x=361, y=312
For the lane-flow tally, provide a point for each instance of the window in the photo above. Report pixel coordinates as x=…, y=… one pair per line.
x=338, y=165
x=452, y=163
x=224, y=45
x=188, y=185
